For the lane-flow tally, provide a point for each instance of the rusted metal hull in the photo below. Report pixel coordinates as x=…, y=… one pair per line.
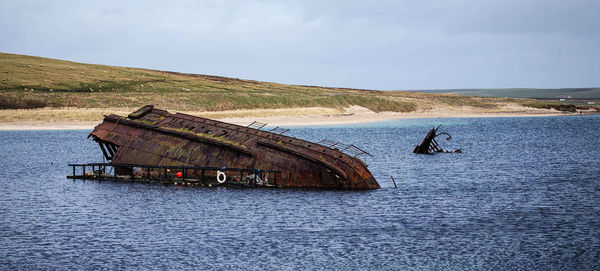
x=157, y=137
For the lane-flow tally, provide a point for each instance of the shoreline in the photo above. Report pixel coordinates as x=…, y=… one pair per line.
x=278, y=117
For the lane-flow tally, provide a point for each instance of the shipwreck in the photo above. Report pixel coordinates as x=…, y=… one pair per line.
x=429, y=145
x=151, y=144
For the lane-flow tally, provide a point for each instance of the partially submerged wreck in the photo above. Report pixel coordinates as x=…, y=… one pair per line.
x=429, y=145
x=157, y=144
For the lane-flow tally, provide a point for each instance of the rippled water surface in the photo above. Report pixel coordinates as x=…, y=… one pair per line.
x=525, y=194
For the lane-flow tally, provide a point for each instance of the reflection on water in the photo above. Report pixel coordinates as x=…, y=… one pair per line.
x=524, y=195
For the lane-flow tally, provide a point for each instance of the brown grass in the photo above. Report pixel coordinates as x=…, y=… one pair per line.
x=34, y=82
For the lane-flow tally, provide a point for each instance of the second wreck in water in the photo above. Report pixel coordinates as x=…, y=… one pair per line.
x=151, y=136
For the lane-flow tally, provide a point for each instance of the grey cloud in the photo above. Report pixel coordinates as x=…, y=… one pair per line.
x=363, y=44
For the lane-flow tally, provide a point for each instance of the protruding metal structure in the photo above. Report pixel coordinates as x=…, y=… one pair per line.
x=429, y=144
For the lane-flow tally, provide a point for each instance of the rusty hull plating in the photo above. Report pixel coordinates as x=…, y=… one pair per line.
x=156, y=137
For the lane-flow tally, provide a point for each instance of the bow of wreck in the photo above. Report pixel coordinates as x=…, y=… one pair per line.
x=151, y=136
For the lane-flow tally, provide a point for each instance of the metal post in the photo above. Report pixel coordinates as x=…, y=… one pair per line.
x=110, y=150
x=104, y=151
x=266, y=180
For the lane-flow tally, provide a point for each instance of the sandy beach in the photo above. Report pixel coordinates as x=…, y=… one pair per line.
x=51, y=119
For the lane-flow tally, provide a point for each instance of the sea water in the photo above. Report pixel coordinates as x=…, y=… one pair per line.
x=524, y=194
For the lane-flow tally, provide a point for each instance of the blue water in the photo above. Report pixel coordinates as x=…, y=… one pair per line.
x=524, y=195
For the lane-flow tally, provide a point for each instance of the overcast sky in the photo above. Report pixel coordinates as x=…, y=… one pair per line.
x=360, y=44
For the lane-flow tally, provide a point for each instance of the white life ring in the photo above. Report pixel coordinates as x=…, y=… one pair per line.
x=221, y=176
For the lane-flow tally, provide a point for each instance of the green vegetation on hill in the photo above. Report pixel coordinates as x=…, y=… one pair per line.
x=35, y=82
x=29, y=82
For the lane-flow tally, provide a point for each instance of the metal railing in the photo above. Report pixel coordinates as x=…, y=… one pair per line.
x=192, y=175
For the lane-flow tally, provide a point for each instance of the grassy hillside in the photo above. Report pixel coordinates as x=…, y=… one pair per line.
x=35, y=82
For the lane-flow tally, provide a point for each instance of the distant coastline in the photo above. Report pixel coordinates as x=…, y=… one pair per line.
x=43, y=93
x=66, y=118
